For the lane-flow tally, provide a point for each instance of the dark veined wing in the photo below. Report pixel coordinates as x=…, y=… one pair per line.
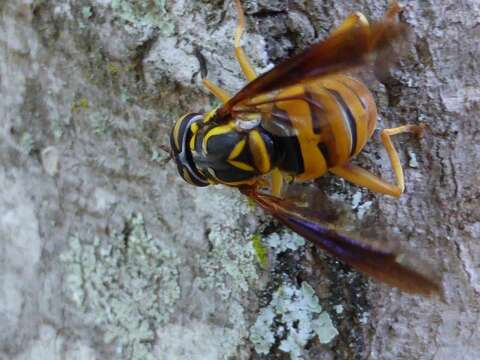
x=339, y=52
x=382, y=264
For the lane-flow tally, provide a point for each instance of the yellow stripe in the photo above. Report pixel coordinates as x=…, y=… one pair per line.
x=187, y=177
x=237, y=149
x=241, y=165
x=300, y=116
x=340, y=138
x=209, y=116
x=176, y=129
x=194, y=129
x=259, y=151
x=192, y=142
x=361, y=110
x=217, y=130
x=353, y=103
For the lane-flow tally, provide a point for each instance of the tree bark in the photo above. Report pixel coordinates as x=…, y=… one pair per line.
x=107, y=253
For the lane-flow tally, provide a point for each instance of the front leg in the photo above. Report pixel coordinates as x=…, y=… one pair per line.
x=239, y=53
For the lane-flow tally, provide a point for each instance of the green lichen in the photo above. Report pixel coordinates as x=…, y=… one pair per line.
x=127, y=285
x=227, y=269
x=144, y=14
x=113, y=69
x=230, y=265
x=293, y=317
x=260, y=251
x=81, y=103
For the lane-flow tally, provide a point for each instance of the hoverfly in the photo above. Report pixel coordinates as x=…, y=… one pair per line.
x=301, y=119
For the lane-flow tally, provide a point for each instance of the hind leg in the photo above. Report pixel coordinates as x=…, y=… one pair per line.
x=359, y=176
x=358, y=19
x=353, y=20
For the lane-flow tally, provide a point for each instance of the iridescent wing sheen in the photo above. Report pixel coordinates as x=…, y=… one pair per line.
x=340, y=52
x=382, y=264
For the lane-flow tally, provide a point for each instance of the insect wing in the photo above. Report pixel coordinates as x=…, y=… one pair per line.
x=287, y=111
x=381, y=264
x=339, y=52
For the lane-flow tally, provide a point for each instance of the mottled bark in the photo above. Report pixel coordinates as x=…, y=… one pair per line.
x=107, y=253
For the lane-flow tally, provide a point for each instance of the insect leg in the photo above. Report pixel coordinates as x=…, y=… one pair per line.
x=362, y=177
x=358, y=19
x=239, y=53
x=392, y=153
x=392, y=12
x=353, y=20
x=219, y=93
x=277, y=182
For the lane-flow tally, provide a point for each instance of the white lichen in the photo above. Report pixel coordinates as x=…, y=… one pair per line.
x=128, y=285
x=101, y=123
x=338, y=309
x=50, y=160
x=230, y=265
x=412, y=159
x=227, y=270
x=56, y=127
x=300, y=316
x=363, y=209
x=144, y=14
x=356, y=199
x=283, y=241
x=87, y=12
x=324, y=328
x=364, y=318
x=27, y=143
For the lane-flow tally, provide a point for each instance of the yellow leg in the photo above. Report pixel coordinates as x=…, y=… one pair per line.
x=362, y=177
x=355, y=19
x=240, y=54
x=277, y=182
x=219, y=93
x=242, y=59
x=392, y=12
x=358, y=19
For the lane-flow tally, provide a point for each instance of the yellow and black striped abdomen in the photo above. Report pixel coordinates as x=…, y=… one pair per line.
x=332, y=119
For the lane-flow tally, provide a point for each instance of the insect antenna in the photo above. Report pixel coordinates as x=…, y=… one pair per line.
x=169, y=157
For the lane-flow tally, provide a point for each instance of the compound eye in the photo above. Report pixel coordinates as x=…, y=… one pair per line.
x=179, y=132
x=179, y=138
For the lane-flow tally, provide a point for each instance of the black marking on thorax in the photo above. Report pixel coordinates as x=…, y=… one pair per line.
x=289, y=158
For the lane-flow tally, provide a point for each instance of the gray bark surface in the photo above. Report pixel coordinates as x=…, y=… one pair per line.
x=107, y=254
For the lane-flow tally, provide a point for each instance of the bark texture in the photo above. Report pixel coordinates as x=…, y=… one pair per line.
x=106, y=253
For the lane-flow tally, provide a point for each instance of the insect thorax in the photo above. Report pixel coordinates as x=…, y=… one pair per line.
x=232, y=155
